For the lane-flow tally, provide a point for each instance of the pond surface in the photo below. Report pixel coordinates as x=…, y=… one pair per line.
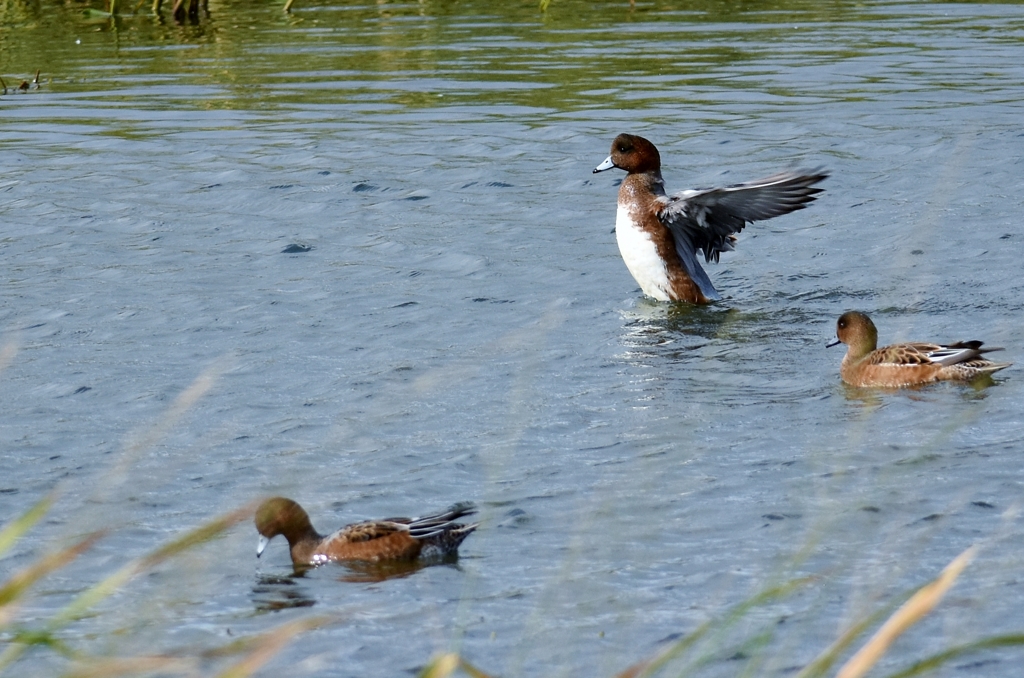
x=355, y=255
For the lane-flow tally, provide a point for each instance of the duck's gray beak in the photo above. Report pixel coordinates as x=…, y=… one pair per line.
x=833, y=343
x=606, y=165
x=261, y=545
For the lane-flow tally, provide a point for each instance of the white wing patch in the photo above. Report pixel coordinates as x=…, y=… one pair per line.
x=949, y=356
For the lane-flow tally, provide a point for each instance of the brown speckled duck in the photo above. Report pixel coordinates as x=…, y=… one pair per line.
x=908, y=364
x=391, y=539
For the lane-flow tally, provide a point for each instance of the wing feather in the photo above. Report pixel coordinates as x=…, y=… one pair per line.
x=707, y=220
x=417, y=528
x=428, y=526
x=372, y=529
x=912, y=353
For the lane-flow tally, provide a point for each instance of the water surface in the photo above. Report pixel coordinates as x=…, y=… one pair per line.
x=463, y=328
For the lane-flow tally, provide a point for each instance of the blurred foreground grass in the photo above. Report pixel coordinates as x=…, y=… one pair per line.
x=26, y=633
x=243, y=657
x=688, y=655
x=685, y=656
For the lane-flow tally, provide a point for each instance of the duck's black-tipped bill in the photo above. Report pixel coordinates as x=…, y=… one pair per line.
x=606, y=165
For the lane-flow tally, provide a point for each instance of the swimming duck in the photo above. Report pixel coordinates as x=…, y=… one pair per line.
x=432, y=536
x=907, y=364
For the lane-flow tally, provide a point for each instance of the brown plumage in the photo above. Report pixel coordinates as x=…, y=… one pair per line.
x=391, y=539
x=907, y=364
x=660, y=235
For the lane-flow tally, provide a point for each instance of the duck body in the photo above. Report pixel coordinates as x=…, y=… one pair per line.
x=906, y=364
x=391, y=539
x=659, y=235
x=648, y=248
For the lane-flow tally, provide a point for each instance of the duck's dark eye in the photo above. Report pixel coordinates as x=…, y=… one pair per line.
x=623, y=148
x=842, y=324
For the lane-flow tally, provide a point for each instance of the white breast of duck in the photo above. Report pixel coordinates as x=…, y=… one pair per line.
x=641, y=255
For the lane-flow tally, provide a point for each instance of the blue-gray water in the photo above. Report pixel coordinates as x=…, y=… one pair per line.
x=463, y=327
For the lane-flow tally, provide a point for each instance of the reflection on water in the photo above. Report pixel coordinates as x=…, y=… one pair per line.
x=395, y=56
x=271, y=593
x=678, y=318
x=969, y=391
x=275, y=592
x=652, y=323
x=365, y=573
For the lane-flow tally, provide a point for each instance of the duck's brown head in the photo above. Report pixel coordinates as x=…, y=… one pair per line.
x=856, y=330
x=282, y=516
x=633, y=154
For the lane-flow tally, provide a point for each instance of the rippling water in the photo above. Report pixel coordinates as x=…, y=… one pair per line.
x=455, y=322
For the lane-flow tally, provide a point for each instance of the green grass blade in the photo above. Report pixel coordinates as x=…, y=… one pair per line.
x=16, y=586
x=13, y=530
x=753, y=648
x=89, y=598
x=937, y=660
x=81, y=605
x=133, y=666
x=827, y=659
x=269, y=644
x=445, y=665
x=259, y=649
x=648, y=667
x=924, y=600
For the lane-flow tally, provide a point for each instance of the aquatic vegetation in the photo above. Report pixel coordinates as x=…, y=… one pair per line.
x=23, y=87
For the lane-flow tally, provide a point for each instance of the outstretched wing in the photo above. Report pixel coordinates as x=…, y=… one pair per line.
x=708, y=219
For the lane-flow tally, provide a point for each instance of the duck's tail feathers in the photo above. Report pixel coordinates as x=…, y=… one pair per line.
x=963, y=352
x=433, y=525
x=989, y=367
